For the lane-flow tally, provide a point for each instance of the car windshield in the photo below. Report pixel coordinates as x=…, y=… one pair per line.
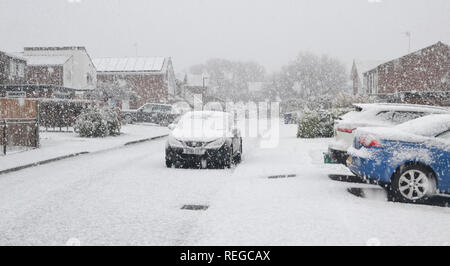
x=211, y=121
x=162, y=108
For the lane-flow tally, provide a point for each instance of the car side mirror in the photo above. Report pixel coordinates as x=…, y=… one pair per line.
x=171, y=126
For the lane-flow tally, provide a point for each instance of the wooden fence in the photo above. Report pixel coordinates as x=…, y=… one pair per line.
x=19, y=124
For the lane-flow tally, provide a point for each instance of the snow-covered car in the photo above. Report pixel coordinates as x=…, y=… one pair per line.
x=412, y=159
x=373, y=115
x=291, y=117
x=204, y=138
x=161, y=114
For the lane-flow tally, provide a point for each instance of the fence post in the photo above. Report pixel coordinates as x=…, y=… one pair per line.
x=4, y=137
x=37, y=137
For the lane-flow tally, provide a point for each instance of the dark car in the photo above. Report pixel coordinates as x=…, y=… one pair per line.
x=206, y=139
x=161, y=114
x=291, y=118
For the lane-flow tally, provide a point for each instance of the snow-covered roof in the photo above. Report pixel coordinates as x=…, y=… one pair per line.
x=130, y=64
x=18, y=56
x=418, y=52
x=48, y=60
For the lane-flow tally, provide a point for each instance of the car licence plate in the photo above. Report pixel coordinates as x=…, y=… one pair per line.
x=192, y=151
x=350, y=160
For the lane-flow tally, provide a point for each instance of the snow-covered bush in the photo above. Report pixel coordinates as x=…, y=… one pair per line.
x=315, y=124
x=319, y=123
x=98, y=122
x=112, y=120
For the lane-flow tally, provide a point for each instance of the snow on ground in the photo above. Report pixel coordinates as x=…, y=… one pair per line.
x=128, y=197
x=310, y=209
x=54, y=144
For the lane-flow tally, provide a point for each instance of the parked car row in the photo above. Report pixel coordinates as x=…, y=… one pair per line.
x=404, y=148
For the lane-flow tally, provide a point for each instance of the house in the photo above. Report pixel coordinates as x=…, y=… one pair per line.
x=359, y=67
x=197, y=83
x=12, y=69
x=151, y=79
x=69, y=67
x=420, y=76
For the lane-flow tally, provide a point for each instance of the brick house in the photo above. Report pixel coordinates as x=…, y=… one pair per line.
x=12, y=69
x=151, y=79
x=69, y=67
x=49, y=70
x=421, y=75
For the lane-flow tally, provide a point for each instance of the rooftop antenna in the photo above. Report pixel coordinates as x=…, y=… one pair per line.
x=408, y=34
x=136, y=48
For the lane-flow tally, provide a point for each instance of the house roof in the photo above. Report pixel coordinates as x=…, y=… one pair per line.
x=418, y=52
x=17, y=56
x=37, y=60
x=54, y=48
x=130, y=64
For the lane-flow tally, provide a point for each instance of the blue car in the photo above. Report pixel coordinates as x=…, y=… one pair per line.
x=411, y=159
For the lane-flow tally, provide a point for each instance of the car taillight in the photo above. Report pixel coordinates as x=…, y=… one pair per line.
x=370, y=141
x=346, y=130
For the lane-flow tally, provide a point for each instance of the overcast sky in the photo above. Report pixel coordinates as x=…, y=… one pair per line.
x=271, y=32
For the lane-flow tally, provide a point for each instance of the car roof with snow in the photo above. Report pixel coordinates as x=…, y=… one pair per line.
x=159, y=104
x=428, y=126
x=415, y=130
x=402, y=107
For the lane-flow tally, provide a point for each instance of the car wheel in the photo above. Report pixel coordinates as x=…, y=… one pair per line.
x=229, y=158
x=164, y=123
x=413, y=184
x=238, y=158
x=169, y=163
x=128, y=119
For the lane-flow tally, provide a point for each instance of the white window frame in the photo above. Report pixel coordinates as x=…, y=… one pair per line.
x=12, y=69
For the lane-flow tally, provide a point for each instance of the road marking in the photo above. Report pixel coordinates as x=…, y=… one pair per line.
x=191, y=207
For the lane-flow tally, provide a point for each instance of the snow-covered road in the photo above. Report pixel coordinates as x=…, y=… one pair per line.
x=127, y=197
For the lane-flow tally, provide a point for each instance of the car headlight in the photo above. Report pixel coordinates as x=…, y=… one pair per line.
x=216, y=144
x=173, y=142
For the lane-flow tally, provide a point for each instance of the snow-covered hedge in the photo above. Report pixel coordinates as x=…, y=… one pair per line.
x=98, y=122
x=319, y=123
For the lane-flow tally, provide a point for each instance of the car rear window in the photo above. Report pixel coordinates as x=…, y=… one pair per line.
x=402, y=116
x=428, y=126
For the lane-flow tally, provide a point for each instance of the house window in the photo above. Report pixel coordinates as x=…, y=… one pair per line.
x=12, y=69
x=89, y=79
x=21, y=70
